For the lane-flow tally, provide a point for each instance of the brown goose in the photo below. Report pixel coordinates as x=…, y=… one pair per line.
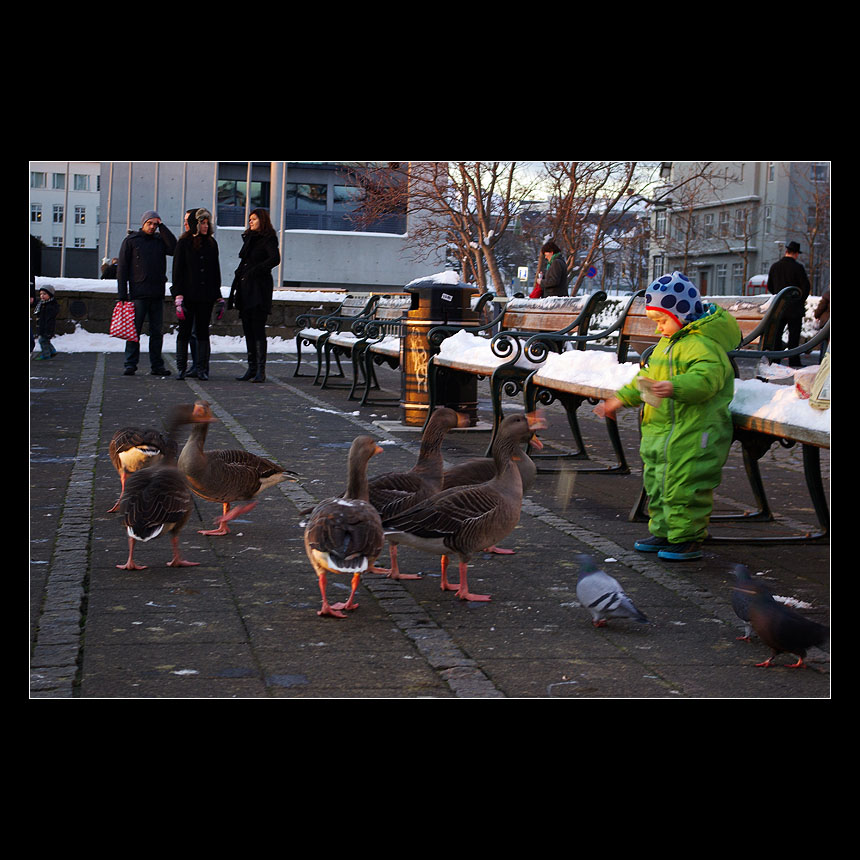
x=131, y=449
x=226, y=475
x=462, y=520
x=477, y=470
x=344, y=534
x=395, y=492
x=156, y=500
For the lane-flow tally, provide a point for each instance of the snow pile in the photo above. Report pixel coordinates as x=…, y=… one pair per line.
x=778, y=403
x=593, y=368
x=447, y=277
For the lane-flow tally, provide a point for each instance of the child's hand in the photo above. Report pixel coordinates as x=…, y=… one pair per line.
x=663, y=389
x=607, y=408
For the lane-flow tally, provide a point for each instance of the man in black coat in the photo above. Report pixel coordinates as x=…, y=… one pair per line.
x=788, y=272
x=141, y=277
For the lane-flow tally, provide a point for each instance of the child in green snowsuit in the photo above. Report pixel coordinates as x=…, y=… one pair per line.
x=685, y=437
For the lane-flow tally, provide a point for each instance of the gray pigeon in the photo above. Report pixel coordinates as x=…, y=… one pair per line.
x=602, y=595
x=742, y=592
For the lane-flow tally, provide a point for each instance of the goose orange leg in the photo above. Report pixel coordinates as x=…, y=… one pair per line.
x=131, y=564
x=225, y=518
x=121, y=491
x=334, y=610
x=462, y=588
x=394, y=571
x=177, y=560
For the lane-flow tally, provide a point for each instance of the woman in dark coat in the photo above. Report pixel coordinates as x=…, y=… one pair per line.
x=251, y=292
x=196, y=288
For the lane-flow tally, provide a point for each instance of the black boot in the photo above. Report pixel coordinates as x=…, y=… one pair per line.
x=251, y=372
x=260, y=375
x=202, y=360
x=181, y=357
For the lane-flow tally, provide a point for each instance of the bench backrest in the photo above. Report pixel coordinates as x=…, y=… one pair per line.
x=638, y=332
x=542, y=315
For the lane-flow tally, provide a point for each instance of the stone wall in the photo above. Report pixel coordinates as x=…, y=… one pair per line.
x=92, y=312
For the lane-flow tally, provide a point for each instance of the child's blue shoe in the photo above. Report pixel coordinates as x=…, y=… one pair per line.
x=651, y=544
x=681, y=551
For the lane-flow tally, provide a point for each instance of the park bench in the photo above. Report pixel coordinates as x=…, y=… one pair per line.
x=380, y=327
x=316, y=329
x=572, y=379
x=496, y=350
x=382, y=342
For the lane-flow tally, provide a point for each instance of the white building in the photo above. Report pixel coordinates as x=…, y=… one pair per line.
x=64, y=211
x=725, y=223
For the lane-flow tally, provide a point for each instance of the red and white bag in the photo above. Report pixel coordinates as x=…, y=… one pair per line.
x=122, y=321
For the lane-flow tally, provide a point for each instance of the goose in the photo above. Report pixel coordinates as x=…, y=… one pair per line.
x=477, y=470
x=344, y=534
x=395, y=492
x=131, y=449
x=156, y=500
x=226, y=475
x=462, y=520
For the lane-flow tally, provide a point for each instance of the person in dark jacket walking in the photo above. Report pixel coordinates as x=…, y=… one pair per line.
x=141, y=278
x=788, y=272
x=252, y=288
x=554, y=281
x=195, y=289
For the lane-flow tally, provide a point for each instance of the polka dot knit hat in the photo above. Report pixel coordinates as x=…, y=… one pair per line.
x=677, y=296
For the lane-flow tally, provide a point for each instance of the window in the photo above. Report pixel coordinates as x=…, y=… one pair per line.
x=232, y=194
x=57, y=241
x=724, y=223
x=721, y=279
x=346, y=198
x=819, y=173
x=660, y=224
x=768, y=216
x=306, y=197
x=58, y=214
x=36, y=213
x=771, y=171
x=80, y=242
x=80, y=214
x=37, y=179
x=81, y=182
x=737, y=278
x=658, y=267
x=740, y=222
x=709, y=225
x=58, y=182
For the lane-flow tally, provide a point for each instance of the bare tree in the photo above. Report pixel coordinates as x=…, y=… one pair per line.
x=463, y=206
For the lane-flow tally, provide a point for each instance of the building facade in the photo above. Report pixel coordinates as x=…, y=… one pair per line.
x=725, y=223
x=309, y=205
x=64, y=214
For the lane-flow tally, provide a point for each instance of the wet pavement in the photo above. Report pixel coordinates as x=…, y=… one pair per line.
x=244, y=625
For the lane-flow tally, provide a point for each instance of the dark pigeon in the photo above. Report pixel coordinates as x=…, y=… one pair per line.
x=741, y=593
x=782, y=629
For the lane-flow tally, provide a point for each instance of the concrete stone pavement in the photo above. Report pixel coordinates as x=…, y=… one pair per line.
x=244, y=625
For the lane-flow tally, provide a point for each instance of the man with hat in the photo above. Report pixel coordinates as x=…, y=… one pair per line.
x=788, y=272
x=141, y=278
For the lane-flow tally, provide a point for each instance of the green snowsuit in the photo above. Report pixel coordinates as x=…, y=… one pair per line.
x=686, y=440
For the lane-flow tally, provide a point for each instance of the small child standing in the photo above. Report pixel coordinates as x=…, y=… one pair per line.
x=46, y=311
x=687, y=434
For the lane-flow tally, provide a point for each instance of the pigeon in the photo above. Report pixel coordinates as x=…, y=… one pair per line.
x=782, y=629
x=602, y=595
x=741, y=593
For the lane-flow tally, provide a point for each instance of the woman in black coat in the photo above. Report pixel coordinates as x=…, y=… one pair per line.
x=251, y=292
x=196, y=288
